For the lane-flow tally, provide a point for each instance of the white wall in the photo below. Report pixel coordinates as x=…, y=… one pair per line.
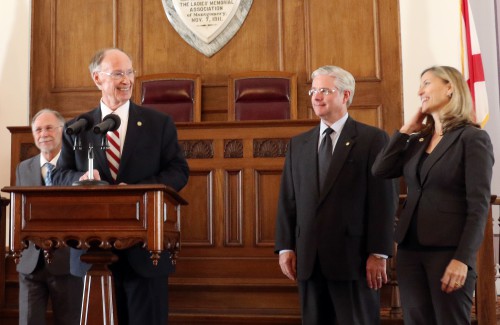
x=488, y=39
x=14, y=75
x=430, y=35
x=429, y=32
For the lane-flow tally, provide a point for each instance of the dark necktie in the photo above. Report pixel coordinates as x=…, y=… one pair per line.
x=324, y=157
x=48, y=175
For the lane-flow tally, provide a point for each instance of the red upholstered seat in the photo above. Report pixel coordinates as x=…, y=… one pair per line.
x=262, y=99
x=262, y=96
x=177, y=95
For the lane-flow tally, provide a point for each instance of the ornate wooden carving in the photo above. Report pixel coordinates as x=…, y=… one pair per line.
x=270, y=148
x=233, y=148
x=96, y=218
x=197, y=149
x=102, y=216
x=28, y=150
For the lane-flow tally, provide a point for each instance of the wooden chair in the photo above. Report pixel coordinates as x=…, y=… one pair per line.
x=262, y=95
x=176, y=94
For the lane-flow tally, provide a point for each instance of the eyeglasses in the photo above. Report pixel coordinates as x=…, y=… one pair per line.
x=119, y=75
x=324, y=91
x=49, y=129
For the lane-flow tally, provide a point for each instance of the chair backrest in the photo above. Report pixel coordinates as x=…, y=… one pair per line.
x=176, y=94
x=262, y=95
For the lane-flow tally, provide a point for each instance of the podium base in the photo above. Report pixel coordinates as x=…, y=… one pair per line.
x=89, y=182
x=98, y=303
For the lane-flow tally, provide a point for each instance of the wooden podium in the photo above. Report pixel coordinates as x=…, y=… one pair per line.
x=97, y=219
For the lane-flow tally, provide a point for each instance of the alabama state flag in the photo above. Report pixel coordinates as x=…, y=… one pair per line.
x=472, y=64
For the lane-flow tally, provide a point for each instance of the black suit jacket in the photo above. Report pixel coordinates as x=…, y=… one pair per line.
x=351, y=219
x=151, y=155
x=452, y=197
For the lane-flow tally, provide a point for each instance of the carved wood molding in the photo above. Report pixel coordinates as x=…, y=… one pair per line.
x=49, y=244
x=270, y=148
x=28, y=150
x=233, y=148
x=203, y=149
x=197, y=149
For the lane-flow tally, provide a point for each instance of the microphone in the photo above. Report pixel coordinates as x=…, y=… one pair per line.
x=110, y=122
x=83, y=122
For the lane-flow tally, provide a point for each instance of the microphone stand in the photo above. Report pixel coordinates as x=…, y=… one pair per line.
x=91, y=181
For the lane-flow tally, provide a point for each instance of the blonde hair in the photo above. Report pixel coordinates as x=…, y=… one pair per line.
x=459, y=111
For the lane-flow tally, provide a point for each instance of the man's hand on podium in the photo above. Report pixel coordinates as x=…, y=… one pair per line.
x=96, y=176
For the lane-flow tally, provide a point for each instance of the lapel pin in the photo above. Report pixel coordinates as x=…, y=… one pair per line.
x=421, y=140
x=139, y=123
x=347, y=143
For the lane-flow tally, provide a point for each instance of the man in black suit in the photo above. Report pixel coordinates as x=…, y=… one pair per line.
x=147, y=153
x=334, y=231
x=61, y=281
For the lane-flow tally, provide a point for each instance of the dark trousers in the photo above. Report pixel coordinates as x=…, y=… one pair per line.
x=326, y=302
x=422, y=300
x=64, y=291
x=140, y=300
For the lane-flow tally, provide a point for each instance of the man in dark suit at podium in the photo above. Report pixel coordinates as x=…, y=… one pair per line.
x=143, y=150
x=62, y=279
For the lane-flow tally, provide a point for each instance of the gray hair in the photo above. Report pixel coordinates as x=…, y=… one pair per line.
x=58, y=115
x=95, y=62
x=344, y=80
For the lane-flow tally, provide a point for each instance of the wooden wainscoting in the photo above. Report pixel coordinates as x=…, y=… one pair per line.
x=297, y=36
x=227, y=272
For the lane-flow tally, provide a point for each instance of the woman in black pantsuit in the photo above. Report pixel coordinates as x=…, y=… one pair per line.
x=446, y=161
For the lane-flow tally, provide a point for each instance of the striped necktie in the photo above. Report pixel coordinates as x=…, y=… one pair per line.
x=48, y=174
x=113, y=152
